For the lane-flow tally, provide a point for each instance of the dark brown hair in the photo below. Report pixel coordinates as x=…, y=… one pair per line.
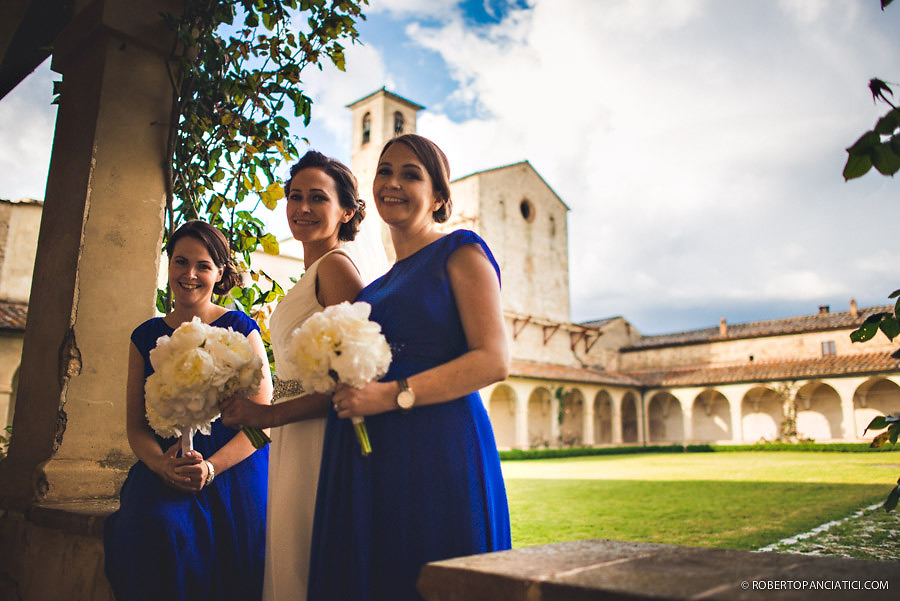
x=436, y=164
x=217, y=247
x=344, y=182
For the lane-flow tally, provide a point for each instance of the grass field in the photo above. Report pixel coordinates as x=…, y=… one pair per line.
x=727, y=500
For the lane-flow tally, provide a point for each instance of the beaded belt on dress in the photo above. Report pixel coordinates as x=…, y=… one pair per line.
x=285, y=388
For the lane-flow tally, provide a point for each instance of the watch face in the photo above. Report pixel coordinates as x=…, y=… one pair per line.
x=406, y=399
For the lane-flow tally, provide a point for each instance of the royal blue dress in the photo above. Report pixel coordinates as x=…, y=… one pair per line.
x=167, y=544
x=432, y=488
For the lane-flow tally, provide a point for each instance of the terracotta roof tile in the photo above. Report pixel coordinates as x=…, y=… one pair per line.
x=757, y=329
x=829, y=365
x=12, y=315
x=549, y=371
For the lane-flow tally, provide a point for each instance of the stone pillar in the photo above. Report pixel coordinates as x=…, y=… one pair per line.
x=615, y=415
x=554, y=421
x=98, y=253
x=846, y=388
x=588, y=435
x=735, y=394
x=686, y=397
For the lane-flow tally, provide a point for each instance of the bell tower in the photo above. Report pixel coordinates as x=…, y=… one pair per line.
x=377, y=118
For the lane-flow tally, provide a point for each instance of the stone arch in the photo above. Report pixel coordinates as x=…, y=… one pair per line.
x=761, y=415
x=711, y=417
x=571, y=424
x=603, y=418
x=665, y=419
x=818, y=412
x=629, y=413
x=874, y=397
x=539, y=418
x=502, y=411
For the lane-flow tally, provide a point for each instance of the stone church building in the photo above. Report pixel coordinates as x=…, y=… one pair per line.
x=602, y=382
x=573, y=384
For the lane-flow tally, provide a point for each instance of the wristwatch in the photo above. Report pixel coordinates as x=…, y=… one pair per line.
x=406, y=398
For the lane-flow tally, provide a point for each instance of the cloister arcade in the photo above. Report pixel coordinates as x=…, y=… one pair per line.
x=531, y=413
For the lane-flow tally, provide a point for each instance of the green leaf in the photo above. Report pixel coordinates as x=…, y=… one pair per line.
x=864, y=144
x=868, y=329
x=161, y=301
x=887, y=124
x=894, y=294
x=890, y=326
x=879, y=423
x=895, y=433
x=857, y=166
x=891, y=502
x=885, y=160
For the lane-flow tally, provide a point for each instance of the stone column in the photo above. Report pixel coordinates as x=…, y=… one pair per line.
x=735, y=394
x=588, y=434
x=554, y=421
x=98, y=253
x=615, y=415
x=846, y=388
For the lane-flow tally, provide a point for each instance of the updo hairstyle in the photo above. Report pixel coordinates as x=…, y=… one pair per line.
x=344, y=182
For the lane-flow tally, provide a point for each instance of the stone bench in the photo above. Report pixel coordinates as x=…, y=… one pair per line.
x=614, y=570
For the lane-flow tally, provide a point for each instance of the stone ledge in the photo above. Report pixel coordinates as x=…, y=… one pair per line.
x=84, y=517
x=616, y=570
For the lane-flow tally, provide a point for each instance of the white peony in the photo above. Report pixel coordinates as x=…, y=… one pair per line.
x=195, y=368
x=339, y=344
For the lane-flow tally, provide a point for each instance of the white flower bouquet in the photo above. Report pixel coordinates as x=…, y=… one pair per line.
x=195, y=368
x=341, y=344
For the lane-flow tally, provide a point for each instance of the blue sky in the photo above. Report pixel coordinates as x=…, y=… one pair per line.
x=699, y=143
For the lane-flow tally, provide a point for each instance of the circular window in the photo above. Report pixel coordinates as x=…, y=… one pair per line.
x=527, y=210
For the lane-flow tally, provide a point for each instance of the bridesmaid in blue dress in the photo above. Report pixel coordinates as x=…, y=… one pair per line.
x=190, y=528
x=432, y=487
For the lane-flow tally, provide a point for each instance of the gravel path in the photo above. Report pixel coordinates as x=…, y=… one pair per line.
x=871, y=533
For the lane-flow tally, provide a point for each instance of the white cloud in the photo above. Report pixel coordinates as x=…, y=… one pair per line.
x=699, y=143
x=413, y=8
x=27, y=120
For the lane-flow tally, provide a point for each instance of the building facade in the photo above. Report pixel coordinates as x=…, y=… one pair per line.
x=602, y=382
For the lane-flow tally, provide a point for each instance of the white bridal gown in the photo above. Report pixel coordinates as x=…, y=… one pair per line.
x=294, y=458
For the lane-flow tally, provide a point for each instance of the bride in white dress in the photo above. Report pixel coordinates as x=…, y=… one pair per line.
x=323, y=210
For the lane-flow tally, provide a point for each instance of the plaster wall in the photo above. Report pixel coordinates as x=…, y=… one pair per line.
x=532, y=251
x=19, y=226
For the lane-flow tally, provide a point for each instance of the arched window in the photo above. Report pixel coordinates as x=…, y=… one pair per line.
x=366, y=128
x=399, y=122
x=527, y=210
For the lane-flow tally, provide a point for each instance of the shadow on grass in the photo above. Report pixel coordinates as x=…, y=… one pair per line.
x=703, y=513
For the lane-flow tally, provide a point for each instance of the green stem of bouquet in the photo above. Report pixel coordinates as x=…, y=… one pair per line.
x=257, y=437
x=362, y=437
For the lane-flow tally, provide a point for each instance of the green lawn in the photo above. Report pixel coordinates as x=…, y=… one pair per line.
x=727, y=500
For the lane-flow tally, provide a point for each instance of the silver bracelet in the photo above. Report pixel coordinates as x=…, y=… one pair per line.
x=211, y=473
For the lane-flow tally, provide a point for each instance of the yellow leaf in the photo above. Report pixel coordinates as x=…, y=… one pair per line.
x=276, y=190
x=227, y=118
x=281, y=149
x=880, y=440
x=269, y=244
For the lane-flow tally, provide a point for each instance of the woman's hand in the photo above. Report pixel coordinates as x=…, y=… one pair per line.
x=371, y=399
x=186, y=474
x=239, y=411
